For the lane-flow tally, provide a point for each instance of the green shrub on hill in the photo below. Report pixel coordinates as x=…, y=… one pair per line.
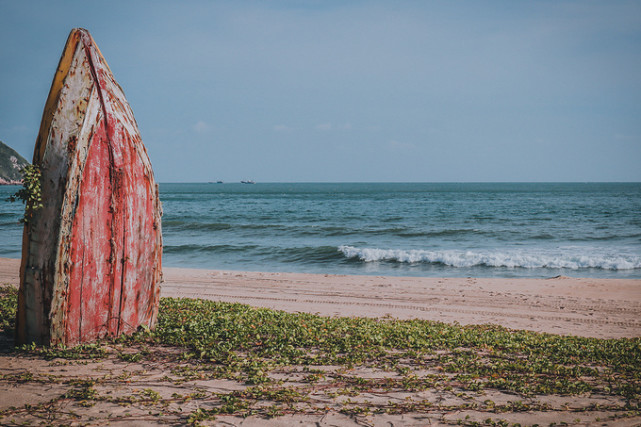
x=11, y=163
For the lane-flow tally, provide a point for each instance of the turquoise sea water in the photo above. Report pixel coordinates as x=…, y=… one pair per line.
x=482, y=230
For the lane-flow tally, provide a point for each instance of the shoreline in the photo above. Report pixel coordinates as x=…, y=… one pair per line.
x=598, y=308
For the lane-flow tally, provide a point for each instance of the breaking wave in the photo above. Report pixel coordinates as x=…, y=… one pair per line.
x=514, y=259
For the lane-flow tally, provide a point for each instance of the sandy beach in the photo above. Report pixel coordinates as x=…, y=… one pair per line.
x=600, y=308
x=161, y=388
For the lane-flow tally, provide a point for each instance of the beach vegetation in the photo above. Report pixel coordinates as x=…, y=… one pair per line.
x=282, y=362
x=31, y=192
x=8, y=306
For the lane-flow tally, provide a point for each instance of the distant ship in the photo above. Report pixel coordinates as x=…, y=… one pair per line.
x=249, y=181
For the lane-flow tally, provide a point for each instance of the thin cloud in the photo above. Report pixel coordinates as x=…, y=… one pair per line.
x=623, y=136
x=324, y=127
x=282, y=128
x=201, y=127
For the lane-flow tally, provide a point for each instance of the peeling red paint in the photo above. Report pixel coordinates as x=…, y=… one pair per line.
x=92, y=256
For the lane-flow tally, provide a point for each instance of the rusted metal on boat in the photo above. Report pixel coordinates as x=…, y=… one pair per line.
x=91, y=256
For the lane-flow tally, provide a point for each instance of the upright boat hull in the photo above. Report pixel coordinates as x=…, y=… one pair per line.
x=91, y=259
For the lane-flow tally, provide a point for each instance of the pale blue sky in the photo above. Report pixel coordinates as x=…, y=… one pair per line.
x=351, y=91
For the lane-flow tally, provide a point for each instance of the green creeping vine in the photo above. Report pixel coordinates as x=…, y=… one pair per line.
x=31, y=192
x=279, y=363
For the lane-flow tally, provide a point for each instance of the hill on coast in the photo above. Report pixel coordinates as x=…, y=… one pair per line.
x=10, y=164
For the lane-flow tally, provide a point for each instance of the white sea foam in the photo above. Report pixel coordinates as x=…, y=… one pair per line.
x=570, y=258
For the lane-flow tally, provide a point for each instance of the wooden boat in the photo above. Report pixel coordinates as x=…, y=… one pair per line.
x=91, y=257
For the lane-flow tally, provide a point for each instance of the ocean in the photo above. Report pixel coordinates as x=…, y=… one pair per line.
x=400, y=229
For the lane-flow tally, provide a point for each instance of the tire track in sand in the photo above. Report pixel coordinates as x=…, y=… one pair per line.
x=419, y=308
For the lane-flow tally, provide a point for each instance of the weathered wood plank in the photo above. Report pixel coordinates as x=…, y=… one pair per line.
x=91, y=261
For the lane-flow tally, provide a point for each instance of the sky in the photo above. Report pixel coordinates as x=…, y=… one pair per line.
x=355, y=91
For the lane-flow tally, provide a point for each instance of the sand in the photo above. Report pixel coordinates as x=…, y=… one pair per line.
x=600, y=308
x=586, y=307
